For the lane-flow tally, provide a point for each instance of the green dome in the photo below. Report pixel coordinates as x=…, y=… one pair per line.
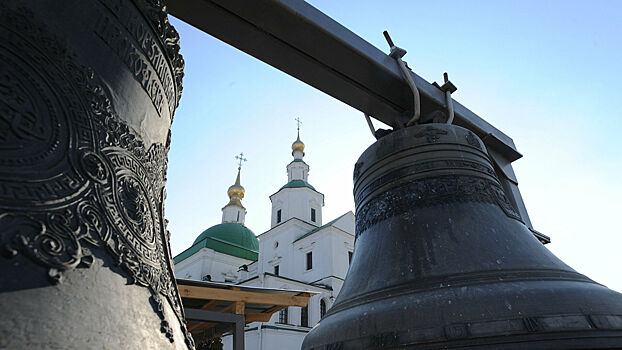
x=231, y=232
x=227, y=238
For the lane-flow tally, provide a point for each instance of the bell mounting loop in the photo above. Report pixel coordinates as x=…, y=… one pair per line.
x=397, y=53
x=369, y=123
x=448, y=88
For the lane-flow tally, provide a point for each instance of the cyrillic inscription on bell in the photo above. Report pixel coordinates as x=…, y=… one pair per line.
x=443, y=260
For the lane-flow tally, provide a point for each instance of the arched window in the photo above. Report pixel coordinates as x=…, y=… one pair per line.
x=322, y=308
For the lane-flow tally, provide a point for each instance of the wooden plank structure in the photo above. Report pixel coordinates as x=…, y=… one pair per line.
x=213, y=308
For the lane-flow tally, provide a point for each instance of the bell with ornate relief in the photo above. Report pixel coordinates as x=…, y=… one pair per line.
x=443, y=260
x=88, y=89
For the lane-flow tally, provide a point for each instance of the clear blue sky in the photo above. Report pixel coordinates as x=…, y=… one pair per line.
x=546, y=73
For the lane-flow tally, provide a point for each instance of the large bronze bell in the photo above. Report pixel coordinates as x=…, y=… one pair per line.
x=88, y=89
x=442, y=260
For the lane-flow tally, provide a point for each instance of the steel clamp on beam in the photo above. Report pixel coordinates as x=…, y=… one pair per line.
x=397, y=53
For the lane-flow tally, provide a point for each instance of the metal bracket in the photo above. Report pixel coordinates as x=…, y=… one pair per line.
x=397, y=53
x=448, y=88
x=369, y=123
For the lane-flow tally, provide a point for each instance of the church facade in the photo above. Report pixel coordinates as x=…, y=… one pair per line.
x=298, y=252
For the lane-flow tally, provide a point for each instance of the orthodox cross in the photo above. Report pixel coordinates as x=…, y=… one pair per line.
x=298, y=121
x=241, y=159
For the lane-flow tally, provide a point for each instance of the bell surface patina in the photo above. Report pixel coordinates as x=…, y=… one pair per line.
x=88, y=89
x=443, y=260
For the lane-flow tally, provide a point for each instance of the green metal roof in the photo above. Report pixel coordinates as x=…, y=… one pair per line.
x=319, y=228
x=227, y=238
x=298, y=184
x=298, y=160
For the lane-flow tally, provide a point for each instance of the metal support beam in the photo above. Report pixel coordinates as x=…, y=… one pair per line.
x=238, y=336
x=285, y=34
x=236, y=321
x=300, y=40
x=211, y=316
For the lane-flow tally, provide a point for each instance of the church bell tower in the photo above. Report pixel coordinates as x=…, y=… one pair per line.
x=297, y=199
x=234, y=211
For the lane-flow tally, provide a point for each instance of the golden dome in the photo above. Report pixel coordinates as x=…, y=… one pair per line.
x=236, y=191
x=298, y=145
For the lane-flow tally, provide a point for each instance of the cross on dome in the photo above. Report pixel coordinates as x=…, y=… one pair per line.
x=236, y=191
x=234, y=211
x=298, y=121
x=298, y=147
x=241, y=159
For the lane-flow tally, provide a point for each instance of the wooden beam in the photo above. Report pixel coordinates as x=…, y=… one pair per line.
x=266, y=314
x=196, y=292
x=239, y=307
x=257, y=317
x=228, y=309
x=212, y=304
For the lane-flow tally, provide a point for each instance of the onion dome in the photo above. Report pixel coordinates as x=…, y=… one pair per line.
x=298, y=145
x=236, y=191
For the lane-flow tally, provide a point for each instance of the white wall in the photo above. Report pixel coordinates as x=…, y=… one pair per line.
x=297, y=171
x=271, y=254
x=329, y=247
x=297, y=203
x=233, y=213
x=288, y=338
x=221, y=267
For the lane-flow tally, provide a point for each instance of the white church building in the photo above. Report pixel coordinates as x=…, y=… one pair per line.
x=298, y=252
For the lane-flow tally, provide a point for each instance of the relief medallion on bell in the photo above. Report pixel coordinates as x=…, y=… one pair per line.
x=73, y=175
